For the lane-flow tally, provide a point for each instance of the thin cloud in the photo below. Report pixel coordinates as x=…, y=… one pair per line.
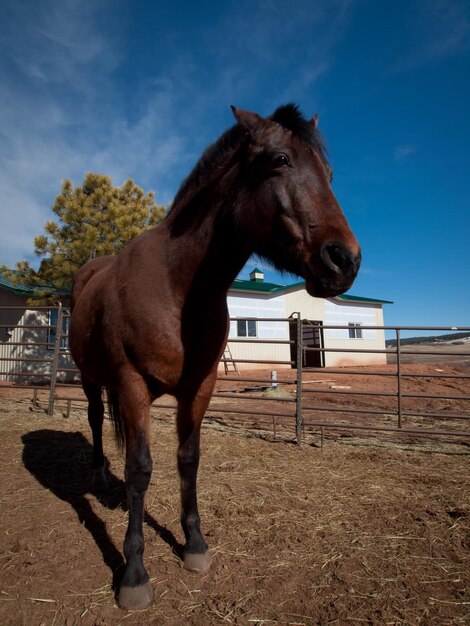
x=371, y=271
x=64, y=113
x=62, y=116
x=261, y=36
x=439, y=29
x=33, y=152
x=53, y=42
x=403, y=151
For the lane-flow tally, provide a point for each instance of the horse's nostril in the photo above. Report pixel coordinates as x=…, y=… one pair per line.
x=337, y=257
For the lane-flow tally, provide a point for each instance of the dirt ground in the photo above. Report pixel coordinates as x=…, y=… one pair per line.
x=359, y=532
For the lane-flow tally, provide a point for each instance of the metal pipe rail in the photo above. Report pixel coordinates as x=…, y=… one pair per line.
x=386, y=394
x=376, y=351
x=410, y=431
x=279, y=381
x=257, y=361
x=33, y=344
x=266, y=341
x=29, y=326
x=249, y=397
x=349, y=372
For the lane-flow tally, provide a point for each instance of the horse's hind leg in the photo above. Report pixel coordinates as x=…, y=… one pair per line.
x=95, y=419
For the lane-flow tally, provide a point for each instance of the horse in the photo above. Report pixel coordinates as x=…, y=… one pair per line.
x=153, y=320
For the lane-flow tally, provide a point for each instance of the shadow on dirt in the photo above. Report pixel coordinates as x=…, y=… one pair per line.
x=61, y=462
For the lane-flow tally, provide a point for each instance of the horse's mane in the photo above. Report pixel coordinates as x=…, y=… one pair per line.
x=292, y=119
x=214, y=158
x=210, y=162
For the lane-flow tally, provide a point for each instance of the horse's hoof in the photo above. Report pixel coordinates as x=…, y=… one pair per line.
x=99, y=481
x=199, y=563
x=133, y=598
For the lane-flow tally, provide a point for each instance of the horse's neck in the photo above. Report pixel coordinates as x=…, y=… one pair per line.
x=205, y=247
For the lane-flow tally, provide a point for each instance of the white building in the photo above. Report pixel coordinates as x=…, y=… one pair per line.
x=255, y=302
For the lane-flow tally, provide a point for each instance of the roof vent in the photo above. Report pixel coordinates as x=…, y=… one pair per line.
x=257, y=276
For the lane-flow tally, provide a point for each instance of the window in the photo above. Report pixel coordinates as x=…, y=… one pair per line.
x=51, y=335
x=246, y=328
x=355, y=331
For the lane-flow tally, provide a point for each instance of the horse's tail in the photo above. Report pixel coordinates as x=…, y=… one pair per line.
x=115, y=415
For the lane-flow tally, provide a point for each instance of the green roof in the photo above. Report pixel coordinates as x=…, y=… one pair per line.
x=345, y=296
x=21, y=289
x=16, y=288
x=255, y=286
x=262, y=287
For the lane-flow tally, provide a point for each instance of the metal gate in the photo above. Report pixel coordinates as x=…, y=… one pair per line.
x=312, y=343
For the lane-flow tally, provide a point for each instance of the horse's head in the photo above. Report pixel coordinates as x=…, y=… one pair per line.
x=298, y=225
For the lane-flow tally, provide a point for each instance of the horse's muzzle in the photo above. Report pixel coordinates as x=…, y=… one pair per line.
x=340, y=260
x=334, y=271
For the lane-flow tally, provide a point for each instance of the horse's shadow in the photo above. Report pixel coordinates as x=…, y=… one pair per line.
x=61, y=462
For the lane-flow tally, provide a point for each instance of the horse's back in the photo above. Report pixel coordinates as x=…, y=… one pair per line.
x=85, y=273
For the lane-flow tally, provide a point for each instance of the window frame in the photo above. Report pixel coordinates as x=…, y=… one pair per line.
x=247, y=328
x=355, y=330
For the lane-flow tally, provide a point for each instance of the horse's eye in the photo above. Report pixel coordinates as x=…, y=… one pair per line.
x=281, y=159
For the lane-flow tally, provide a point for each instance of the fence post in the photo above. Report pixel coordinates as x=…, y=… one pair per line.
x=55, y=360
x=398, y=377
x=298, y=399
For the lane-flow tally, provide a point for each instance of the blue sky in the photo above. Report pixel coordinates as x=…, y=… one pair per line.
x=139, y=88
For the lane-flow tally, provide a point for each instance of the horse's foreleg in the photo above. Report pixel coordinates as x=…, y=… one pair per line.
x=95, y=419
x=196, y=554
x=136, y=591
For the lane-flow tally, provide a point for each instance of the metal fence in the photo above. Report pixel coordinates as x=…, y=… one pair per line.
x=278, y=393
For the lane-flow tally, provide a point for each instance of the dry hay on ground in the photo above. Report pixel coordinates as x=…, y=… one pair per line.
x=299, y=536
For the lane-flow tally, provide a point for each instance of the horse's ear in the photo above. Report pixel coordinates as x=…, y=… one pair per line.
x=314, y=121
x=251, y=122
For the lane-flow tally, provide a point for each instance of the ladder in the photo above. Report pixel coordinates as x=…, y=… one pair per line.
x=229, y=363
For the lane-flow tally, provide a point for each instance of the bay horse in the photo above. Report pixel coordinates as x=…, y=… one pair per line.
x=153, y=320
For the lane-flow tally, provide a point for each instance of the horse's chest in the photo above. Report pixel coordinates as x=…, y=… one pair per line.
x=159, y=354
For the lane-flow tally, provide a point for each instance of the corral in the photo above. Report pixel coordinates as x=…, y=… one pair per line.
x=396, y=395
x=372, y=528
x=374, y=533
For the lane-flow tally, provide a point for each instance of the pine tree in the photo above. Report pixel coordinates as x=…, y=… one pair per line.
x=92, y=220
